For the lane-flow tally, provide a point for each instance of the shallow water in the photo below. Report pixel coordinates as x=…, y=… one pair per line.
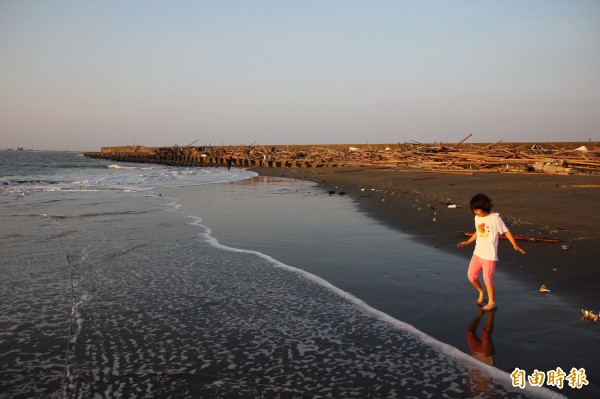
x=300, y=224
x=111, y=290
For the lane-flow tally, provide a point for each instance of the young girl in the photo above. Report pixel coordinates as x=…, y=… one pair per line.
x=488, y=227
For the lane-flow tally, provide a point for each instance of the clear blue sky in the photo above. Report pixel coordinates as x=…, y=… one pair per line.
x=78, y=75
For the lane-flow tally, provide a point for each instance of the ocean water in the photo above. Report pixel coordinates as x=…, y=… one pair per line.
x=110, y=290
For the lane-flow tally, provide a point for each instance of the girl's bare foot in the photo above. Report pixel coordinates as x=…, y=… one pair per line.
x=489, y=306
x=480, y=299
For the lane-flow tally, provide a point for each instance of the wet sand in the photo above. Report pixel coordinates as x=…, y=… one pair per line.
x=532, y=330
x=379, y=242
x=532, y=205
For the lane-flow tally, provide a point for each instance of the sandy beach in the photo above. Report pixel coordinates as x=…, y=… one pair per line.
x=532, y=205
x=532, y=329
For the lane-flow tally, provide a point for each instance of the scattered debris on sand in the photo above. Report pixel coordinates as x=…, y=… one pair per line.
x=589, y=315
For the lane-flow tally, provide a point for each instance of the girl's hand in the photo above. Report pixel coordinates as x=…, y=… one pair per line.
x=519, y=249
x=462, y=244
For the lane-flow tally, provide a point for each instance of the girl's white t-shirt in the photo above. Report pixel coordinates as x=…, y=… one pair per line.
x=488, y=229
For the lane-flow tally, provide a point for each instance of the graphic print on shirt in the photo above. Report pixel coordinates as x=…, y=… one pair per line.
x=482, y=230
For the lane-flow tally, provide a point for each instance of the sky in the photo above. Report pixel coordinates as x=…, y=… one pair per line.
x=79, y=75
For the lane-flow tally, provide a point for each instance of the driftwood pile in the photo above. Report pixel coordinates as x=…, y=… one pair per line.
x=547, y=158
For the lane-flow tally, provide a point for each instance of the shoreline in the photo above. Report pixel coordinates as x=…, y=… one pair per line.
x=534, y=330
x=423, y=284
x=532, y=205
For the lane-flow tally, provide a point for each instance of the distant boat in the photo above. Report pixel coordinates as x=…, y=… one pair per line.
x=20, y=148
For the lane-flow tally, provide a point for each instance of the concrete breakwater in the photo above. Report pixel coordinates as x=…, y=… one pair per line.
x=251, y=156
x=201, y=160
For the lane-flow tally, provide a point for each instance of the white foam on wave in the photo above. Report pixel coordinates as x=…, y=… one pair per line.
x=117, y=166
x=499, y=376
x=159, y=298
x=121, y=178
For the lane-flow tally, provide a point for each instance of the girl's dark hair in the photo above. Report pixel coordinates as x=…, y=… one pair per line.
x=481, y=201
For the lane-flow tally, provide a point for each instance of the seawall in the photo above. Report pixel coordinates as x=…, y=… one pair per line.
x=201, y=160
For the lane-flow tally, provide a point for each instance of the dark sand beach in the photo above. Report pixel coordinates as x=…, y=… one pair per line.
x=421, y=279
x=532, y=330
x=532, y=205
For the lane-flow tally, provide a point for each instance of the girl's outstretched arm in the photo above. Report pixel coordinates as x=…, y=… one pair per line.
x=512, y=240
x=469, y=241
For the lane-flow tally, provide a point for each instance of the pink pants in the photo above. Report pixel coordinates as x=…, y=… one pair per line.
x=488, y=266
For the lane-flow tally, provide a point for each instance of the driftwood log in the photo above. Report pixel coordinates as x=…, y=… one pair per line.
x=521, y=238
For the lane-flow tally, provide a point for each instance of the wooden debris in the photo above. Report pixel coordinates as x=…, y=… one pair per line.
x=548, y=167
x=463, y=140
x=580, y=185
x=410, y=156
x=521, y=238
